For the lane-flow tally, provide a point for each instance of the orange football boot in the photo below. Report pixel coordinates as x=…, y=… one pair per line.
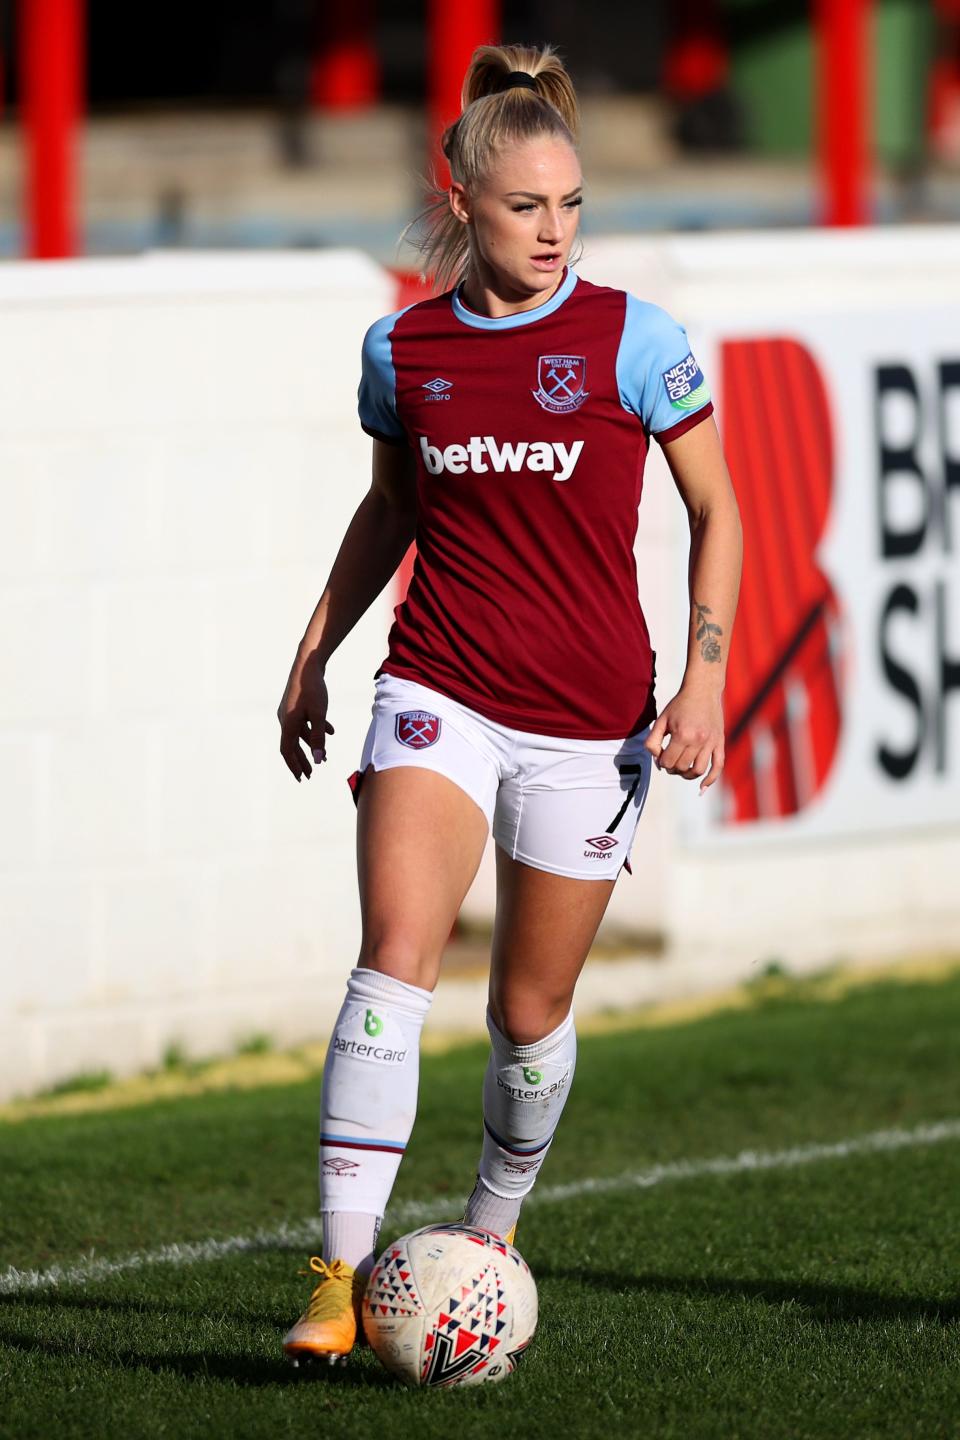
x=328, y=1328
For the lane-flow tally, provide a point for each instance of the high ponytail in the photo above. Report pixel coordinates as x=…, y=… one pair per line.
x=490, y=66
x=493, y=118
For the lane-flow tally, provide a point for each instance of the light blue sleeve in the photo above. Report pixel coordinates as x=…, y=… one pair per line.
x=658, y=378
x=377, y=395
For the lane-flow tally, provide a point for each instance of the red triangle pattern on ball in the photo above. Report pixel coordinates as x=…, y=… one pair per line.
x=390, y=1289
x=466, y=1332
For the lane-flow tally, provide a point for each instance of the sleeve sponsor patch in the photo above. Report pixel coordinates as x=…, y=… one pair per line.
x=686, y=387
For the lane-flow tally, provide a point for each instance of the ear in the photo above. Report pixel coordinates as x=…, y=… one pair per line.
x=459, y=203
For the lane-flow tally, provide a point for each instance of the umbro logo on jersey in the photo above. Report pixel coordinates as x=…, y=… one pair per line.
x=439, y=389
x=547, y=457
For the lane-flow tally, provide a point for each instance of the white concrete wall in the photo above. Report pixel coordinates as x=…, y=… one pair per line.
x=179, y=457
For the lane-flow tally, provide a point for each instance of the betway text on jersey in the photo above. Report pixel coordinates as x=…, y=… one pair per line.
x=482, y=453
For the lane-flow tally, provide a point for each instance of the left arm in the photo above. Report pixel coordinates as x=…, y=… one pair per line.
x=693, y=719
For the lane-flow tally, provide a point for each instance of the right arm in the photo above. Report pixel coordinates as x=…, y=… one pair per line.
x=376, y=541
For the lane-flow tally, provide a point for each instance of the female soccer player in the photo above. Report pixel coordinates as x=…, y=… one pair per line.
x=510, y=419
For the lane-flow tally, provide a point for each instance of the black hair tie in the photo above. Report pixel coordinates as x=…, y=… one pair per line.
x=516, y=80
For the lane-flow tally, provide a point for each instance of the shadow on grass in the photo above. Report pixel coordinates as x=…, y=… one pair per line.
x=243, y=1369
x=829, y=1304
x=131, y=1306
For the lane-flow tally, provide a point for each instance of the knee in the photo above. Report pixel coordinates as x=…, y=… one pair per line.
x=402, y=959
x=524, y=1018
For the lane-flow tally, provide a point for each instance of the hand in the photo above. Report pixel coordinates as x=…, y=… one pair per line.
x=694, y=721
x=303, y=716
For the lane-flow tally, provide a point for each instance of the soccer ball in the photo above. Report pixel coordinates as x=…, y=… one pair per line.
x=450, y=1305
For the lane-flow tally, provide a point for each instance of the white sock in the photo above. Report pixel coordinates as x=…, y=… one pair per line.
x=368, y=1106
x=351, y=1236
x=492, y=1212
x=524, y=1092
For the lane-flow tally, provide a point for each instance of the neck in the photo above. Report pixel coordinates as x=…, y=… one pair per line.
x=490, y=294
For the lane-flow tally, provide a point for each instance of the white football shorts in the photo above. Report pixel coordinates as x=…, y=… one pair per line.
x=567, y=806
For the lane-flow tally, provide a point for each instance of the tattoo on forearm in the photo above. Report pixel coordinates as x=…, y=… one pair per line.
x=707, y=633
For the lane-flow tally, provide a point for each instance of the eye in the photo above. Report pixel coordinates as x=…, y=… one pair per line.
x=522, y=209
x=572, y=204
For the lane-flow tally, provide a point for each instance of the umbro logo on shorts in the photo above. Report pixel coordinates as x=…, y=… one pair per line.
x=602, y=845
x=417, y=728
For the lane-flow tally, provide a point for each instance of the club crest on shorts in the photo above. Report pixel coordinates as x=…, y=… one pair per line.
x=417, y=728
x=560, y=383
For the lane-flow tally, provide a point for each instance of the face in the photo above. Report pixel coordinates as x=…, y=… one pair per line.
x=523, y=218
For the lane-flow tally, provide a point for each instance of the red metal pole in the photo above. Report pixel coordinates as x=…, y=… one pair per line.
x=345, y=75
x=697, y=61
x=454, y=32
x=843, y=36
x=51, y=85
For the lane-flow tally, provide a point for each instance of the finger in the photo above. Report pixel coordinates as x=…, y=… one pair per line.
x=716, y=770
x=700, y=765
x=294, y=758
x=691, y=764
x=315, y=738
x=316, y=743
x=678, y=758
x=654, y=741
x=300, y=766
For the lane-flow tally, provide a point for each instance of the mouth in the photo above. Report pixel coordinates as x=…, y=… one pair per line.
x=547, y=260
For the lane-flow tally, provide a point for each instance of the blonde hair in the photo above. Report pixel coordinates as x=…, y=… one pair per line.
x=492, y=120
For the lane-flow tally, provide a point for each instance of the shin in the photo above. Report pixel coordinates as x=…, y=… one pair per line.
x=524, y=1092
x=369, y=1102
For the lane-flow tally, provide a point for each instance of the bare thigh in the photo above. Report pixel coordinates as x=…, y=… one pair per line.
x=544, y=927
x=420, y=839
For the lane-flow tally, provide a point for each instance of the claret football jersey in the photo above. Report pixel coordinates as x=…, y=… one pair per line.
x=530, y=433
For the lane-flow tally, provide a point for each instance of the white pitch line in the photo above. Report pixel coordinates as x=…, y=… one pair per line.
x=308, y=1234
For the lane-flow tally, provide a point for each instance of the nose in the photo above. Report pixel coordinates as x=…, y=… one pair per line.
x=551, y=227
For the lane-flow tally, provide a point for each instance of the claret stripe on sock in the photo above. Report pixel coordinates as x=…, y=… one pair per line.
x=345, y=1142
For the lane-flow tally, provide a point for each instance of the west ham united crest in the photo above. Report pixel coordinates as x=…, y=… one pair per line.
x=417, y=728
x=561, y=381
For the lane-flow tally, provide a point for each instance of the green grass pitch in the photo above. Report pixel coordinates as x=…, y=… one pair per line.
x=817, y=1299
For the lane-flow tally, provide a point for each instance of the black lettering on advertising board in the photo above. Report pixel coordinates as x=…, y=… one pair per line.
x=917, y=420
